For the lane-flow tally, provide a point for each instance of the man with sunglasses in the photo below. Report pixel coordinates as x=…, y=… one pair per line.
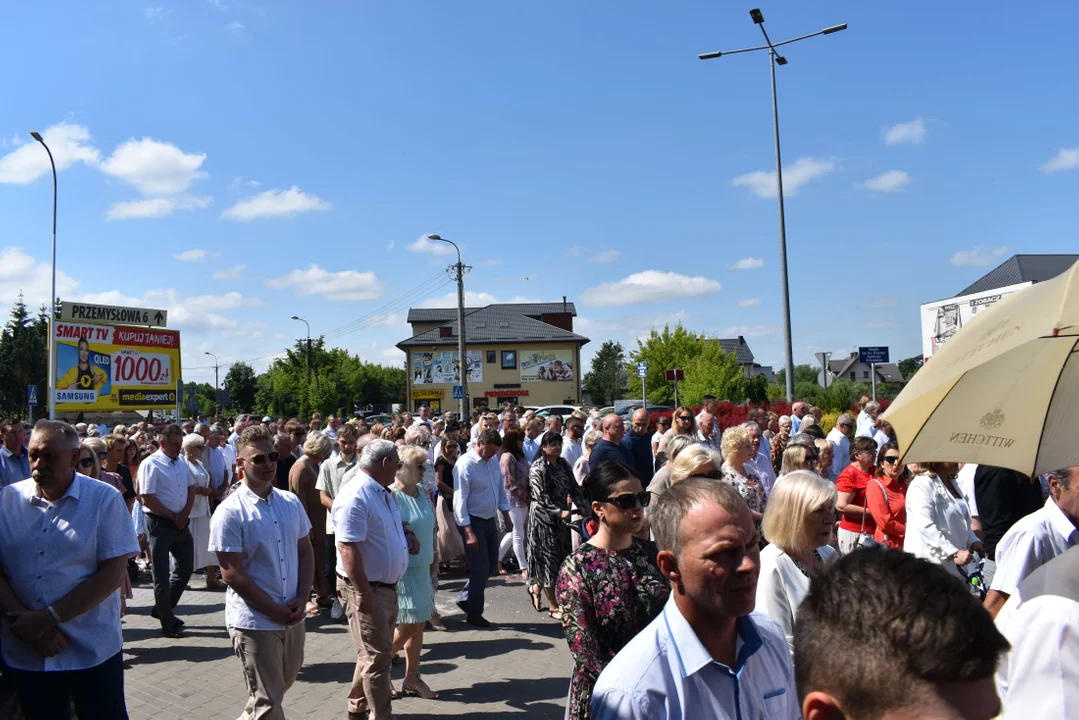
x=261, y=537
x=166, y=488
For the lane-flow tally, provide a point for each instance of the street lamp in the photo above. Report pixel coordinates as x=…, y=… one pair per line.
x=52, y=296
x=297, y=317
x=217, y=392
x=462, y=359
x=777, y=59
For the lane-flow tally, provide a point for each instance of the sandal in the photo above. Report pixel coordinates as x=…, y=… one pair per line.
x=420, y=689
x=537, y=597
x=313, y=609
x=394, y=695
x=555, y=615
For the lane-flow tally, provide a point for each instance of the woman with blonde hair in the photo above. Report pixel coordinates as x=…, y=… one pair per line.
x=825, y=455
x=798, y=526
x=696, y=461
x=683, y=422
x=302, y=480
x=799, y=456
x=661, y=481
x=738, y=470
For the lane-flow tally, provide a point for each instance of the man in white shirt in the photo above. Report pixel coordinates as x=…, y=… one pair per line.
x=262, y=539
x=167, y=493
x=424, y=416
x=707, y=654
x=839, y=438
x=571, y=448
x=332, y=425
x=1039, y=676
x=64, y=544
x=708, y=407
x=372, y=556
x=330, y=475
x=706, y=432
x=867, y=419
x=1037, y=538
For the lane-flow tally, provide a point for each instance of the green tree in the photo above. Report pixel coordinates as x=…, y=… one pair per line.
x=910, y=366
x=802, y=374
x=24, y=357
x=241, y=386
x=605, y=381
x=708, y=368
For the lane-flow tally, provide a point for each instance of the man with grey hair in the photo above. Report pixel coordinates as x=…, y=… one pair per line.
x=65, y=540
x=707, y=654
x=798, y=411
x=372, y=556
x=840, y=440
x=707, y=434
x=867, y=419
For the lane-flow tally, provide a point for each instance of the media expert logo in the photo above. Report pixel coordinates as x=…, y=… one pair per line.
x=146, y=397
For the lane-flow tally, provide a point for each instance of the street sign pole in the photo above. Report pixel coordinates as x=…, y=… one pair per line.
x=873, y=375
x=642, y=373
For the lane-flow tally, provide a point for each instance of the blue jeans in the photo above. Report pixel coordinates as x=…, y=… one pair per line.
x=481, y=563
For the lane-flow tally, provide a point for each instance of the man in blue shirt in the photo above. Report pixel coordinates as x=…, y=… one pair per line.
x=707, y=654
x=14, y=461
x=533, y=428
x=610, y=448
x=639, y=444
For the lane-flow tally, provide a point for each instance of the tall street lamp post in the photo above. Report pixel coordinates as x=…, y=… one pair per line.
x=217, y=391
x=297, y=317
x=462, y=358
x=52, y=296
x=776, y=59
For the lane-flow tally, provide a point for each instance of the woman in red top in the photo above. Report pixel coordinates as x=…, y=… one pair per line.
x=886, y=497
x=857, y=526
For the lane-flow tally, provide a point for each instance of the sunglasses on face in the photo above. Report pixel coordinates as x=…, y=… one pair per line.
x=628, y=501
x=891, y=459
x=685, y=418
x=86, y=462
x=263, y=458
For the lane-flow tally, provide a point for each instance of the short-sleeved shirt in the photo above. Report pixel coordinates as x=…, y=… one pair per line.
x=166, y=479
x=1032, y=542
x=366, y=513
x=854, y=481
x=13, y=468
x=48, y=549
x=267, y=531
x=330, y=476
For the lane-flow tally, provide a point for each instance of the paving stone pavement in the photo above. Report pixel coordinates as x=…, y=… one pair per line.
x=519, y=669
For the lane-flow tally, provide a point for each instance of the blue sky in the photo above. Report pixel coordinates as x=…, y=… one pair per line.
x=241, y=162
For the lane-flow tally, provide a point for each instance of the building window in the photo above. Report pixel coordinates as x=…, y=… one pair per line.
x=481, y=325
x=865, y=374
x=503, y=323
x=509, y=359
x=445, y=332
x=853, y=375
x=491, y=357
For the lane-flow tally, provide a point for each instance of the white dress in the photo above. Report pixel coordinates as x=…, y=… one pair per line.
x=200, y=518
x=938, y=524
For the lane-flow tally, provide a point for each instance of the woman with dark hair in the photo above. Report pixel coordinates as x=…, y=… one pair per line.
x=682, y=423
x=611, y=587
x=886, y=497
x=451, y=546
x=515, y=480
x=554, y=492
x=938, y=520
x=857, y=527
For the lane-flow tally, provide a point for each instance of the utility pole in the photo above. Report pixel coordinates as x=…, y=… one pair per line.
x=52, y=298
x=217, y=390
x=462, y=359
x=296, y=317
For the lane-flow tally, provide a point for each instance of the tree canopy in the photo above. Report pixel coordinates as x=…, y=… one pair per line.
x=606, y=379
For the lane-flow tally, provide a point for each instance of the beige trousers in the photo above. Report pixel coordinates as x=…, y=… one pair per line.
x=373, y=637
x=271, y=660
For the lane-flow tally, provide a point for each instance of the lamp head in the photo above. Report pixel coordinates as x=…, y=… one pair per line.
x=780, y=60
x=833, y=29
x=295, y=317
x=709, y=55
x=755, y=13
x=36, y=136
x=433, y=236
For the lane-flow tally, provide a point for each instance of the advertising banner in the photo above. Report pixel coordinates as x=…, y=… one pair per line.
x=441, y=367
x=115, y=367
x=943, y=318
x=553, y=365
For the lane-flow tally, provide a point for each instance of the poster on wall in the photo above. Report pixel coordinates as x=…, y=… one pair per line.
x=115, y=367
x=943, y=318
x=442, y=367
x=551, y=365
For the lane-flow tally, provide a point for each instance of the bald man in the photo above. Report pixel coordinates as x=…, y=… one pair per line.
x=610, y=448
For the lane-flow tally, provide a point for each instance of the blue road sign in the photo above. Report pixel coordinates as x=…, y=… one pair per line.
x=873, y=355
x=31, y=395
x=642, y=369
x=458, y=392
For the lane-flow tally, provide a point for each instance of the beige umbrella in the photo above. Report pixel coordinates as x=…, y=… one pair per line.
x=1004, y=390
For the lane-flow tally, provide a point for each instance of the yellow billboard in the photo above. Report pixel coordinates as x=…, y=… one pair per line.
x=114, y=367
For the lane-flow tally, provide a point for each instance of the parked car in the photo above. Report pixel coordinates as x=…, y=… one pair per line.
x=381, y=418
x=627, y=412
x=548, y=410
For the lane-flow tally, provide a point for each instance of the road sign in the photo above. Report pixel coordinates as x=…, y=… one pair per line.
x=642, y=369
x=674, y=375
x=873, y=355
x=113, y=315
x=31, y=395
x=822, y=358
x=458, y=392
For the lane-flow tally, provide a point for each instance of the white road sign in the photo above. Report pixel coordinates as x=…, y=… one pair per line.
x=112, y=315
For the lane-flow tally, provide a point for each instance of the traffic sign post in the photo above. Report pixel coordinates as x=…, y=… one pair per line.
x=458, y=392
x=642, y=373
x=31, y=395
x=873, y=355
x=113, y=315
x=674, y=376
x=822, y=358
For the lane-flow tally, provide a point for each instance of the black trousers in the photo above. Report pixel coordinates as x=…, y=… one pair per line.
x=331, y=564
x=166, y=539
x=98, y=692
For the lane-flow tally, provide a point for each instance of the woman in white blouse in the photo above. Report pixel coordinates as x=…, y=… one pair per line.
x=938, y=521
x=200, y=511
x=798, y=523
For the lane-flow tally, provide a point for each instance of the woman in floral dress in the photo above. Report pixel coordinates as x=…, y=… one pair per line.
x=610, y=588
x=738, y=470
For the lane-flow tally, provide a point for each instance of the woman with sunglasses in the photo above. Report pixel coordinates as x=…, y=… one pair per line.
x=92, y=452
x=611, y=587
x=302, y=481
x=798, y=527
x=886, y=497
x=856, y=526
x=938, y=520
x=554, y=492
x=683, y=423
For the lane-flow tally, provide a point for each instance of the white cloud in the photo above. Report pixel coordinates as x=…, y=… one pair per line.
x=763, y=183
x=340, y=286
x=275, y=203
x=888, y=182
x=605, y=256
x=69, y=144
x=751, y=330
x=21, y=273
x=749, y=303
x=881, y=324
x=749, y=263
x=979, y=256
x=233, y=273
x=472, y=299
x=912, y=132
x=1065, y=159
x=431, y=247
x=155, y=207
x=648, y=286
x=228, y=301
x=154, y=167
x=194, y=255
x=391, y=245
x=236, y=27
x=155, y=14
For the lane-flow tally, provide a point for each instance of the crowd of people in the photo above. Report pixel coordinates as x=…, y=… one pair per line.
x=697, y=571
